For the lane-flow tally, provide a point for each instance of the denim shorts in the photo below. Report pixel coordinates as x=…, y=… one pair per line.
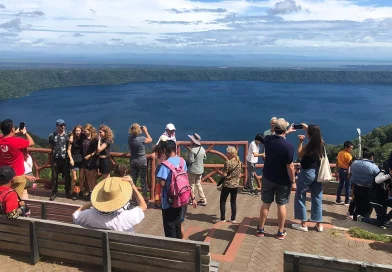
x=271, y=191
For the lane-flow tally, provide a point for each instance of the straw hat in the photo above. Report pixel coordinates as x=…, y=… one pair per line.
x=111, y=194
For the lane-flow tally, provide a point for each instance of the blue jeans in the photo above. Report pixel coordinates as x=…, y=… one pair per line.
x=308, y=181
x=343, y=181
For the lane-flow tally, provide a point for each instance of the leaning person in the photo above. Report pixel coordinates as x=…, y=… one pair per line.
x=105, y=140
x=110, y=206
x=11, y=153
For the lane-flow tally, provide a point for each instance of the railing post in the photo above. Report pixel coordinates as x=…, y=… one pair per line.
x=198, y=258
x=34, y=251
x=153, y=181
x=43, y=210
x=363, y=268
x=107, y=261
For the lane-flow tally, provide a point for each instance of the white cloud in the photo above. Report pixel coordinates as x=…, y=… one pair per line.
x=228, y=25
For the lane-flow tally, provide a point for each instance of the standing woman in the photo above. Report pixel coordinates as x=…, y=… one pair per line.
x=75, y=155
x=138, y=154
x=90, y=143
x=232, y=173
x=310, y=156
x=105, y=140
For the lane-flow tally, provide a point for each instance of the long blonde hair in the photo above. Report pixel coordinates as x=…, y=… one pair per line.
x=93, y=131
x=135, y=129
x=108, y=132
x=233, y=151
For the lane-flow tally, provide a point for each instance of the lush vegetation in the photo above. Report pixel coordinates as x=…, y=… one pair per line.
x=364, y=234
x=379, y=140
x=18, y=83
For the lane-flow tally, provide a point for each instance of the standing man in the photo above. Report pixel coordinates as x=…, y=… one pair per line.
x=278, y=176
x=195, y=163
x=11, y=153
x=170, y=133
x=343, y=163
x=58, y=141
x=271, y=131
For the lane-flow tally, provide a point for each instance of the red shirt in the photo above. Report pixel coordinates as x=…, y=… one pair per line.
x=10, y=202
x=11, y=153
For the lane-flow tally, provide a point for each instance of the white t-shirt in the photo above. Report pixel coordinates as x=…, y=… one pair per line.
x=121, y=220
x=253, y=148
x=28, y=165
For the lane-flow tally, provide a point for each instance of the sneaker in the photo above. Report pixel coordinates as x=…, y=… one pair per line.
x=359, y=218
x=349, y=217
x=347, y=204
x=319, y=228
x=232, y=221
x=74, y=197
x=255, y=193
x=282, y=235
x=245, y=189
x=299, y=227
x=260, y=232
x=388, y=224
x=202, y=203
x=339, y=202
x=53, y=197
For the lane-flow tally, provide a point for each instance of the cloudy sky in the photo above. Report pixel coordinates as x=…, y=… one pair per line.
x=304, y=27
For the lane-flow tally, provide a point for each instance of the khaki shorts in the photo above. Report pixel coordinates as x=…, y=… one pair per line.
x=19, y=184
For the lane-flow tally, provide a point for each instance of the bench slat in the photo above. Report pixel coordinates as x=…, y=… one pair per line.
x=157, y=252
x=76, y=239
x=12, y=246
x=67, y=228
x=70, y=247
x=14, y=229
x=71, y=257
x=157, y=242
x=150, y=263
x=15, y=238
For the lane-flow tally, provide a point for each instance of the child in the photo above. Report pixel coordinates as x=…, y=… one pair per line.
x=10, y=204
x=252, y=158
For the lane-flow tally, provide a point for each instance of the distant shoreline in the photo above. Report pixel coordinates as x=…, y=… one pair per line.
x=21, y=82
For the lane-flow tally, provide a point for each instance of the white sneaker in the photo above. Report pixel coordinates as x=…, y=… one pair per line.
x=299, y=227
x=349, y=217
x=232, y=221
x=320, y=229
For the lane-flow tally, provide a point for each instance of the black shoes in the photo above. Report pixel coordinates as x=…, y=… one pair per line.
x=74, y=197
x=53, y=197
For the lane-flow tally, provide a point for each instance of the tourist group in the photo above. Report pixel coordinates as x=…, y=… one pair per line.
x=113, y=201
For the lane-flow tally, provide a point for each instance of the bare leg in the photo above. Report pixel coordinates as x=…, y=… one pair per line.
x=91, y=179
x=264, y=210
x=81, y=179
x=105, y=176
x=281, y=217
x=74, y=180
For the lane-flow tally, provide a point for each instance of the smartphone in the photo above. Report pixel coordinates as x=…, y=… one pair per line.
x=21, y=126
x=298, y=126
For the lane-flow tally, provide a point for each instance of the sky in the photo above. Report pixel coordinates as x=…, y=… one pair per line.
x=355, y=28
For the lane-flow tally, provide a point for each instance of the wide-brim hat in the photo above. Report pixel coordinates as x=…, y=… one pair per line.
x=111, y=194
x=195, y=138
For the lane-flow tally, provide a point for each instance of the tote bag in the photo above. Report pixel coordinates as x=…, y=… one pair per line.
x=324, y=174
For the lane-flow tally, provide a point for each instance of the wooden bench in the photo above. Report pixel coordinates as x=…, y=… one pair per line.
x=52, y=210
x=106, y=249
x=301, y=262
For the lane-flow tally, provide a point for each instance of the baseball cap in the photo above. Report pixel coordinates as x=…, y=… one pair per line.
x=281, y=124
x=60, y=122
x=163, y=138
x=6, y=174
x=170, y=127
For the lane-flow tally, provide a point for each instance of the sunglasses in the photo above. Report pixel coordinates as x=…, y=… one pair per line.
x=62, y=125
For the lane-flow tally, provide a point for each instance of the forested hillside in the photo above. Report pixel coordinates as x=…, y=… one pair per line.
x=18, y=83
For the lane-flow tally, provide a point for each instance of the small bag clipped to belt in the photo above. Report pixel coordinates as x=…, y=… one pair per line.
x=188, y=163
x=219, y=185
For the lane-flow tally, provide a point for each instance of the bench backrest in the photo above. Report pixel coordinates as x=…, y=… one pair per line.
x=51, y=210
x=295, y=262
x=107, y=249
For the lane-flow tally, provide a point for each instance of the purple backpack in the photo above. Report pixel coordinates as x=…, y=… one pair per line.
x=179, y=190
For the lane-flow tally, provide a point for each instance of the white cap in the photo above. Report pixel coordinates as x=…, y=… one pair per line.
x=170, y=127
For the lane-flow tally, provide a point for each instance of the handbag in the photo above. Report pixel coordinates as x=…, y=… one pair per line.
x=324, y=174
x=219, y=185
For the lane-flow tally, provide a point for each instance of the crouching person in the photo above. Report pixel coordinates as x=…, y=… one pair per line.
x=110, y=206
x=10, y=203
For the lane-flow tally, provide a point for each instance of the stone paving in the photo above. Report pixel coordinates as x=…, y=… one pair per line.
x=235, y=246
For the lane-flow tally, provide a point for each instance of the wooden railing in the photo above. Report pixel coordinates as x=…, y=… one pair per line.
x=211, y=169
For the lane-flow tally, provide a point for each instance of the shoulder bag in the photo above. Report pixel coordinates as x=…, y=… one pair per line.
x=324, y=174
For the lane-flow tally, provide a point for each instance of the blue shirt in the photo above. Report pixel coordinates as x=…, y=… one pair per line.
x=278, y=154
x=363, y=172
x=166, y=174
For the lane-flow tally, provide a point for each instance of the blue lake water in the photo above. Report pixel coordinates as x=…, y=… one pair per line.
x=227, y=110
